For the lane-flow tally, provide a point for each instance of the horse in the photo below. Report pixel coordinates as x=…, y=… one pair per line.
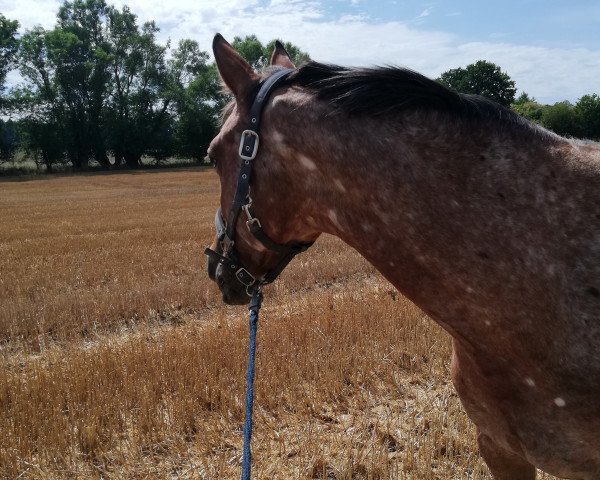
x=487, y=222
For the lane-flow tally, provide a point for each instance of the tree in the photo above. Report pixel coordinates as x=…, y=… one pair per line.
x=297, y=56
x=252, y=50
x=587, y=110
x=198, y=100
x=8, y=48
x=100, y=83
x=528, y=107
x=43, y=141
x=9, y=140
x=258, y=55
x=67, y=71
x=481, y=78
x=78, y=50
x=157, y=102
x=201, y=99
x=138, y=109
x=40, y=105
x=561, y=119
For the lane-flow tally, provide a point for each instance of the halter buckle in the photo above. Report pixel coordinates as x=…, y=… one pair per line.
x=245, y=277
x=249, y=144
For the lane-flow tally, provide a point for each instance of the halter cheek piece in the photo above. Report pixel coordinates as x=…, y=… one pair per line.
x=242, y=202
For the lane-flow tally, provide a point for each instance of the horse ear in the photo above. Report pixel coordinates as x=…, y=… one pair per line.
x=280, y=56
x=236, y=72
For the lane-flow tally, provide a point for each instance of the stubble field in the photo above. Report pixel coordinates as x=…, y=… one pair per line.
x=118, y=359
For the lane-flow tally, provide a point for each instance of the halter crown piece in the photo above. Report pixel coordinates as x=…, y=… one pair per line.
x=248, y=150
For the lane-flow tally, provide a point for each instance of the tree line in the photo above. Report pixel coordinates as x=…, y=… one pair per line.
x=581, y=120
x=99, y=82
x=100, y=89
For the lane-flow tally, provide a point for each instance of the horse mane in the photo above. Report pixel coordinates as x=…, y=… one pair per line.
x=384, y=91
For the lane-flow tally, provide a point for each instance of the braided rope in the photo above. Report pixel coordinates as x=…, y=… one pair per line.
x=255, y=304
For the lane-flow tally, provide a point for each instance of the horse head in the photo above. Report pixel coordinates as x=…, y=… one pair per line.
x=258, y=228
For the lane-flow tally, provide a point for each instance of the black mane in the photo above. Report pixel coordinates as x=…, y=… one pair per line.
x=384, y=91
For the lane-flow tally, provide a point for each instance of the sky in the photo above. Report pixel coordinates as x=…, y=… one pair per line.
x=550, y=48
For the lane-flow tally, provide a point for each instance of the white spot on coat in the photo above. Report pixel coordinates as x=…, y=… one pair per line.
x=339, y=185
x=278, y=139
x=307, y=162
x=334, y=219
x=277, y=99
x=559, y=402
x=530, y=382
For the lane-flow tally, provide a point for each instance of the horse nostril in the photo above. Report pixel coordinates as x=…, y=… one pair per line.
x=220, y=282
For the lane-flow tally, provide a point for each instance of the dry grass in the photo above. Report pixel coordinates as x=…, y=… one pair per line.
x=118, y=359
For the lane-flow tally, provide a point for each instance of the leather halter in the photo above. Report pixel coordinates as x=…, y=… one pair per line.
x=242, y=202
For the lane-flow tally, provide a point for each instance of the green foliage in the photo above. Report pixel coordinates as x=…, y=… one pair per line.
x=252, y=50
x=561, y=119
x=102, y=86
x=40, y=106
x=528, y=107
x=530, y=110
x=8, y=46
x=579, y=120
x=43, y=141
x=9, y=140
x=198, y=106
x=79, y=52
x=137, y=113
x=481, y=78
x=523, y=98
x=297, y=56
x=587, y=110
x=258, y=55
x=34, y=62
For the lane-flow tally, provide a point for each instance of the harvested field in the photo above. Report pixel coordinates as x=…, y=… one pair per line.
x=118, y=359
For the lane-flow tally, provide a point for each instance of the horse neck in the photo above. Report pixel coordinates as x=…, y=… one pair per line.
x=415, y=197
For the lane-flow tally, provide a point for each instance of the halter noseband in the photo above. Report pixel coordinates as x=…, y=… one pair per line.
x=242, y=202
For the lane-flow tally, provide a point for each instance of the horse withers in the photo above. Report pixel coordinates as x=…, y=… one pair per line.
x=489, y=223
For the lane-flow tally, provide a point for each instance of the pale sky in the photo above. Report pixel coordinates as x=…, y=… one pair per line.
x=550, y=48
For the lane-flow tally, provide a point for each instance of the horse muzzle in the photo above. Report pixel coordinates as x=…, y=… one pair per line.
x=234, y=293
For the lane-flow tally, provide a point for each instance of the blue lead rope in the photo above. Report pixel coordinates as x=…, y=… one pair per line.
x=255, y=304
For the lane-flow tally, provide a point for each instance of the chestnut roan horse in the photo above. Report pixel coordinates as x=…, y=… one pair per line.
x=487, y=222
